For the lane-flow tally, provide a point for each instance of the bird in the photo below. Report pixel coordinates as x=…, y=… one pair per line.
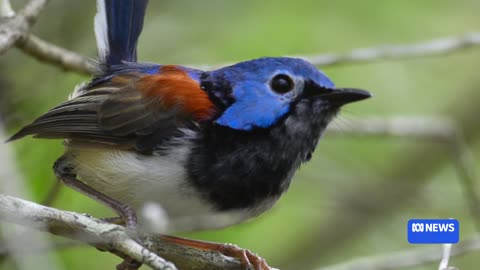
x=212, y=148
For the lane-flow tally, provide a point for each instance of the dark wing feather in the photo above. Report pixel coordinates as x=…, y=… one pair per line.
x=117, y=112
x=129, y=112
x=74, y=119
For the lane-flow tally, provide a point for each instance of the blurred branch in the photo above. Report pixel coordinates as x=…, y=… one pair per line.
x=446, y=255
x=111, y=237
x=422, y=127
x=429, y=48
x=15, y=32
x=55, y=55
x=409, y=258
x=12, y=28
x=72, y=61
x=6, y=9
x=442, y=130
x=422, y=49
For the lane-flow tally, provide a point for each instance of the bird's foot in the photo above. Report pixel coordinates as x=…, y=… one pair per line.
x=129, y=264
x=65, y=173
x=248, y=259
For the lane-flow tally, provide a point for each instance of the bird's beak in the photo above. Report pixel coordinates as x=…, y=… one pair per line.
x=342, y=96
x=337, y=96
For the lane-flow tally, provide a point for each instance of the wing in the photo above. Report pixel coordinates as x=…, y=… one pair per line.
x=133, y=110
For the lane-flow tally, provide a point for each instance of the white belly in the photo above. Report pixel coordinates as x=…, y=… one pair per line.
x=136, y=179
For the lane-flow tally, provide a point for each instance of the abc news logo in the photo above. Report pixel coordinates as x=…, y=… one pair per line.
x=433, y=227
x=433, y=231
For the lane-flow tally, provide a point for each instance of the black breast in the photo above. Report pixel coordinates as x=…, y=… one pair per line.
x=240, y=169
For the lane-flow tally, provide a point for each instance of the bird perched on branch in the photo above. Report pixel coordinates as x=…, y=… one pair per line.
x=213, y=148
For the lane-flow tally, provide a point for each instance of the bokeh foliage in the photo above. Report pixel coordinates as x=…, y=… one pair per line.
x=209, y=32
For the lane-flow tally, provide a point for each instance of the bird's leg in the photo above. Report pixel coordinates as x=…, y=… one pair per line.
x=246, y=257
x=115, y=220
x=124, y=211
x=65, y=174
x=52, y=194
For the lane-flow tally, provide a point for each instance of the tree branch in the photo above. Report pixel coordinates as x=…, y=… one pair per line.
x=14, y=31
x=55, y=55
x=16, y=27
x=32, y=10
x=111, y=237
x=434, y=47
x=409, y=258
x=428, y=48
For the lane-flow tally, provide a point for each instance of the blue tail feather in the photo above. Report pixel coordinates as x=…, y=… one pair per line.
x=118, y=25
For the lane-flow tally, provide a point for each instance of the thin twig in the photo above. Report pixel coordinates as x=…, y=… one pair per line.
x=446, y=254
x=31, y=11
x=55, y=55
x=434, y=47
x=409, y=258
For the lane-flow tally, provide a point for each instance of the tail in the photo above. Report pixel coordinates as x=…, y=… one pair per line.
x=118, y=25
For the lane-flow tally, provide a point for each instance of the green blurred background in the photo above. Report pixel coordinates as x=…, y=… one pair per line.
x=356, y=195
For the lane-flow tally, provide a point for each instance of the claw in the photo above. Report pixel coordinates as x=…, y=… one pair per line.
x=248, y=259
x=129, y=264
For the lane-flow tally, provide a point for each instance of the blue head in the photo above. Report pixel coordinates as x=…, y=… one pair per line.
x=260, y=92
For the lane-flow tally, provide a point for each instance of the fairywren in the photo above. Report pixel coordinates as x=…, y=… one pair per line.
x=224, y=143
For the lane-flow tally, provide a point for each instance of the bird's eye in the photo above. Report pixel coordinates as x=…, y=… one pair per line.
x=282, y=83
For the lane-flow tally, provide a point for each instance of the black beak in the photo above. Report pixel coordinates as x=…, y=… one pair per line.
x=342, y=96
x=336, y=96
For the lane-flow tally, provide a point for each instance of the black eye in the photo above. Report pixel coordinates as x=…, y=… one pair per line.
x=282, y=83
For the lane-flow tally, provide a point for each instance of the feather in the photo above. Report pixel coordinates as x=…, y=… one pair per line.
x=177, y=88
x=101, y=31
x=118, y=24
x=132, y=110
